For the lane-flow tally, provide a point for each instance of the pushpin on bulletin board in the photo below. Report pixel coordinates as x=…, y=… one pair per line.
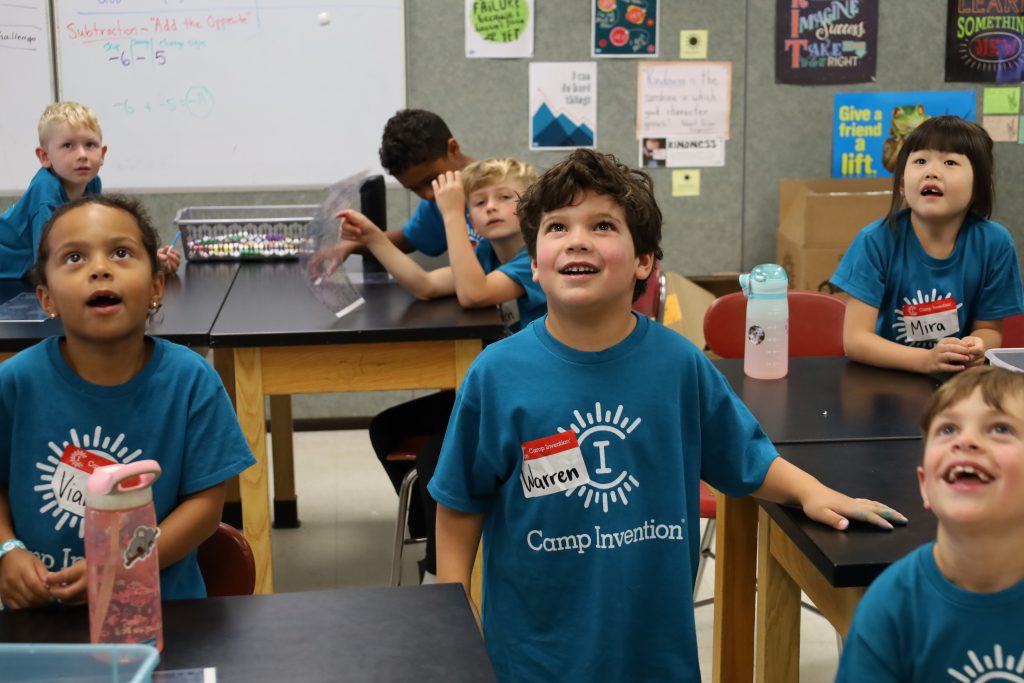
x=693, y=44
x=686, y=182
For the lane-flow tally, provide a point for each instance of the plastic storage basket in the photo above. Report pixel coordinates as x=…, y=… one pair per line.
x=234, y=233
x=32, y=663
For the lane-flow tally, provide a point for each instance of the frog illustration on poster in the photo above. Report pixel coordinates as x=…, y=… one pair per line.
x=624, y=28
x=869, y=128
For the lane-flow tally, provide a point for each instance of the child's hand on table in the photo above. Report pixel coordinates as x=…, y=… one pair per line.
x=23, y=580
x=950, y=355
x=69, y=585
x=834, y=509
x=976, y=350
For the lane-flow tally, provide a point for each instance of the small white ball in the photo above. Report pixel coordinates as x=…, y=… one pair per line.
x=324, y=18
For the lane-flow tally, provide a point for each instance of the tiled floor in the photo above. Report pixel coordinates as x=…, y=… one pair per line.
x=347, y=507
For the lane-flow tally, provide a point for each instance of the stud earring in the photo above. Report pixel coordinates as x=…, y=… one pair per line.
x=155, y=306
x=53, y=315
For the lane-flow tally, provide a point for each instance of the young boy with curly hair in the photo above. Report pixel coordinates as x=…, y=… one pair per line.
x=577, y=447
x=953, y=610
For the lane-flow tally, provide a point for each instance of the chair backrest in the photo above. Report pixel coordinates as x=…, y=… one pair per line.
x=652, y=302
x=815, y=324
x=1013, y=332
x=227, y=563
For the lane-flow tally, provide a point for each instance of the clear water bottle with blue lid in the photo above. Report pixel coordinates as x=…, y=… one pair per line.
x=766, y=347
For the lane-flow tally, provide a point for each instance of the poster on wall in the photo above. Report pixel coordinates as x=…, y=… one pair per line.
x=869, y=128
x=825, y=41
x=499, y=29
x=985, y=41
x=676, y=99
x=563, y=105
x=624, y=28
x=679, y=152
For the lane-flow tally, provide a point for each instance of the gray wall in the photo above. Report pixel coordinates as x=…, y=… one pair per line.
x=777, y=131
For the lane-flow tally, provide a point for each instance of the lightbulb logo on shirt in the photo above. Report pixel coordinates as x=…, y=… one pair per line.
x=926, y=318
x=600, y=434
x=67, y=468
x=989, y=668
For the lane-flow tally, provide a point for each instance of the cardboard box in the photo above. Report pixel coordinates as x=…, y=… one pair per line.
x=818, y=218
x=808, y=267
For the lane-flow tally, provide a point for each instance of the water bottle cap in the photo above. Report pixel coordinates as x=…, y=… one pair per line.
x=767, y=280
x=119, y=487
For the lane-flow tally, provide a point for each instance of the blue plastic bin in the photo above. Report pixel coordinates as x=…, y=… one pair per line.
x=34, y=663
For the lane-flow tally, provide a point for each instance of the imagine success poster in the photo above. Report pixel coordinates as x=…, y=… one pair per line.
x=825, y=41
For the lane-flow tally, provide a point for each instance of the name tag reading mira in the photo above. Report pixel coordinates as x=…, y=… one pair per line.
x=552, y=464
x=932, y=320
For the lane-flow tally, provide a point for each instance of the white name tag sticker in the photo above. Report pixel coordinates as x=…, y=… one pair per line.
x=552, y=465
x=932, y=320
x=509, y=312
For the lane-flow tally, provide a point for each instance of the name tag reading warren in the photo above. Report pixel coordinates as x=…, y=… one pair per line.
x=552, y=464
x=931, y=320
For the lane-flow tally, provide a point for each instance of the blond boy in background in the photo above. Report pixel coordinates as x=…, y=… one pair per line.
x=71, y=153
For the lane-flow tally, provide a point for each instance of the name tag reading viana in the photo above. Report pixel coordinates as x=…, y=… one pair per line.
x=931, y=320
x=552, y=464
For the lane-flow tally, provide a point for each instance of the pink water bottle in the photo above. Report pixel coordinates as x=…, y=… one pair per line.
x=120, y=554
x=766, y=347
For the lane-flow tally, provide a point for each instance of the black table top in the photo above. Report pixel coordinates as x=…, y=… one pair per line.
x=17, y=336
x=271, y=305
x=419, y=633
x=880, y=470
x=192, y=300
x=833, y=399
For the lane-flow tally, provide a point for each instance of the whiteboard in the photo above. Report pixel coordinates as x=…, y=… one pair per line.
x=26, y=84
x=234, y=94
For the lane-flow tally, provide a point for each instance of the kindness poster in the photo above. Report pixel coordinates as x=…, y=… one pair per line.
x=624, y=28
x=499, y=28
x=985, y=41
x=563, y=105
x=825, y=41
x=869, y=128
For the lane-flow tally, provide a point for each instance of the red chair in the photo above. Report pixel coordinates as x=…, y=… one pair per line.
x=815, y=329
x=652, y=302
x=815, y=324
x=226, y=563
x=1013, y=332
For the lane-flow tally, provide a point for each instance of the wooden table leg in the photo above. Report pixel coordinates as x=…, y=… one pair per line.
x=735, y=586
x=286, y=504
x=778, y=614
x=224, y=364
x=254, y=485
x=837, y=605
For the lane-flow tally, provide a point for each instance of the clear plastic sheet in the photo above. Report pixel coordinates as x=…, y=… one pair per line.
x=335, y=289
